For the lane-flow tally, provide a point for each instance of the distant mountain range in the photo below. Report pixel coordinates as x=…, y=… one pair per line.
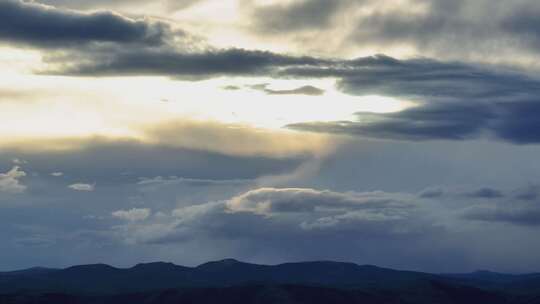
x=232, y=281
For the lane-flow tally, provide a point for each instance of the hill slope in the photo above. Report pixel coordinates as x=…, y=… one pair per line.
x=307, y=282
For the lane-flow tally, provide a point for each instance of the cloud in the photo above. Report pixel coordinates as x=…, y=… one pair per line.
x=270, y=201
x=195, y=150
x=105, y=160
x=455, y=101
x=432, y=192
x=281, y=224
x=176, y=5
x=187, y=65
x=446, y=121
x=218, y=137
x=481, y=31
x=82, y=187
x=304, y=90
x=33, y=24
x=119, y=4
x=522, y=22
x=455, y=28
x=17, y=161
x=57, y=174
x=432, y=122
x=294, y=16
x=284, y=213
x=451, y=21
x=133, y=215
x=519, y=206
x=10, y=181
x=231, y=88
x=172, y=180
x=488, y=193
x=517, y=213
x=529, y=193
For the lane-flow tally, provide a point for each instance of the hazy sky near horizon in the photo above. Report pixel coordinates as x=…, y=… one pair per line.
x=401, y=133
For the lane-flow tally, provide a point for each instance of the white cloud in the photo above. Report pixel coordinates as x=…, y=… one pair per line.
x=18, y=161
x=133, y=215
x=10, y=181
x=82, y=187
x=297, y=200
x=57, y=174
x=292, y=213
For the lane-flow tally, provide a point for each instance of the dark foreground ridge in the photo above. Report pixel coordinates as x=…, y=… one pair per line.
x=231, y=281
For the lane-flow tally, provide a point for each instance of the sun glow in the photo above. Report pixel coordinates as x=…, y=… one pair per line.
x=125, y=102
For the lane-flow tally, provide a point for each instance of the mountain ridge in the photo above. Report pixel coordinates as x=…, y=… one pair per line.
x=342, y=280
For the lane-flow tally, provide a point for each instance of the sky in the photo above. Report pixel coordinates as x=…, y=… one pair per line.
x=399, y=133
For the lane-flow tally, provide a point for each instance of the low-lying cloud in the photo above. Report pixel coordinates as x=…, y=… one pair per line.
x=10, y=182
x=82, y=187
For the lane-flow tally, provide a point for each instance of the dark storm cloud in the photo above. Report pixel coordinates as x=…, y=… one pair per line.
x=514, y=122
x=430, y=122
x=423, y=78
x=455, y=101
x=37, y=25
x=185, y=65
x=304, y=90
x=519, y=121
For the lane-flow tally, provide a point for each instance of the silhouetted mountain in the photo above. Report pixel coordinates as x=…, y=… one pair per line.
x=511, y=283
x=232, y=281
x=29, y=271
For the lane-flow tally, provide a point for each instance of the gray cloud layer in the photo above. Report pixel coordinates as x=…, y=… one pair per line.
x=286, y=216
x=120, y=161
x=303, y=15
x=117, y=4
x=37, y=25
x=482, y=30
x=456, y=101
x=185, y=65
x=475, y=27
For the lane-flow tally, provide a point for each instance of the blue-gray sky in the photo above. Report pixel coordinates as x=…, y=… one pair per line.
x=399, y=133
